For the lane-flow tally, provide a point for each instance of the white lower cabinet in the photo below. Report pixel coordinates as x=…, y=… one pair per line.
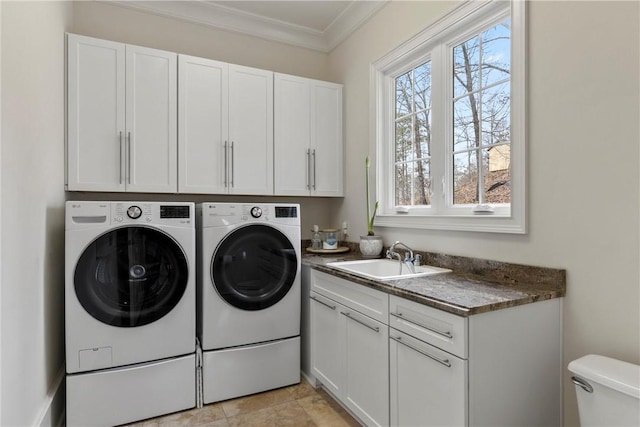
x=327, y=344
x=393, y=361
x=349, y=350
x=428, y=387
x=366, y=391
x=499, y=368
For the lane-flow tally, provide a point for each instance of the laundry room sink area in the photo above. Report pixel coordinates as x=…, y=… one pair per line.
x=385, y=269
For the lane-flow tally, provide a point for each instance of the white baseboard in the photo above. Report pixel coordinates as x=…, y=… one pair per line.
x=52, y=412
x=310, y=378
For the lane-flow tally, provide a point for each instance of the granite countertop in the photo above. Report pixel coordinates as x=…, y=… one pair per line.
x=474, y=286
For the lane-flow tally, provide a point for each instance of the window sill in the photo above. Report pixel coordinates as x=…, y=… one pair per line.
x=478, y=223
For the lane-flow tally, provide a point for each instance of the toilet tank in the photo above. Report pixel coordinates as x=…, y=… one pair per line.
x=608, y=391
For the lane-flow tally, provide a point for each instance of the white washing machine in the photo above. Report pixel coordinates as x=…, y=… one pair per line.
x=248, y=297
x=130, y=304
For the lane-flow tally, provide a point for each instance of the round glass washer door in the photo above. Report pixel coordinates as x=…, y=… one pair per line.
x=254, y=267
x=131, y=276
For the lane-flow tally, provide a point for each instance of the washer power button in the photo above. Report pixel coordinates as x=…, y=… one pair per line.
x=256, y=212
x=134, y=212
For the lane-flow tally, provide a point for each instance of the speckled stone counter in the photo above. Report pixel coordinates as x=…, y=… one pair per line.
x=474, y=286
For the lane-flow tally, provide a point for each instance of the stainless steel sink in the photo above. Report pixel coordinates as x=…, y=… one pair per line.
x=385, y=269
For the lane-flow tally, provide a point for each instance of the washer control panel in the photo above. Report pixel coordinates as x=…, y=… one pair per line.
x=80, y=214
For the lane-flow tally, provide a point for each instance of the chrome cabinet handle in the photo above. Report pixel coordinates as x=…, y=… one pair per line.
x=373, y=328
x=232, y=166
x=443, y=333
x=308, y=169
x=314, y=169
x=444, y=362
x=226, y=167
x=332, y=307
x=120, y=157
x=129, y=157
x=582, y=384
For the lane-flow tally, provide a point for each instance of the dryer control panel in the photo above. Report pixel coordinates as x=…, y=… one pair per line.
x=225, y=214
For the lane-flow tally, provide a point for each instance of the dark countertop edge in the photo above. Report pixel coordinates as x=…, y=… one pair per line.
x=533, y=292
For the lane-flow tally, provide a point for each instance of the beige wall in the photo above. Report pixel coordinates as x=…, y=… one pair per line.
x=583, y=160
x=32, y=336
x=127, y=25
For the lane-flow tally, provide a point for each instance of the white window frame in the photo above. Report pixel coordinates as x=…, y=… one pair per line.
x=433, y=43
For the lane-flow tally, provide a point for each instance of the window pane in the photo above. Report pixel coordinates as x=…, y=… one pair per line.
x=464, y=123
x=422, y=77
x=404, y=140
x=466, y=60
x=496, y=53
x=403, y=184
x=413, y=184
x=497, y=174
x=496, y=114
x=403, y=94
x=465, y=178
x=422, y=184
x=423, y=148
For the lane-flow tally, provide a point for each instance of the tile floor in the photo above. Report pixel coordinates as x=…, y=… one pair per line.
x=298, y=405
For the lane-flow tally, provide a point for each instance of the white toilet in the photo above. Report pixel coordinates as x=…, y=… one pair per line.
x=608, y=391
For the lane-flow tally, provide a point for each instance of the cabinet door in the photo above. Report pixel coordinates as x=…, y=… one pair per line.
x=151, y=120
x=250, y=131
x=202, y=125
x=96, y=114
x=327, y=343
x=292, y=135
x=367, y=368
x=326, y=139
x=428, y=386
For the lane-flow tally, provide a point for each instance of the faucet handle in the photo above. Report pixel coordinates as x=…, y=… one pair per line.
x=417, y=260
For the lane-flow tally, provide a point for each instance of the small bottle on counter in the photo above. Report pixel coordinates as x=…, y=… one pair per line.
x=316, y=241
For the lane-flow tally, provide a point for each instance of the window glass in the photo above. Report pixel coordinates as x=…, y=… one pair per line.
x=413, y=137
x=481, y=117
x=254, y=267
x=131, y=276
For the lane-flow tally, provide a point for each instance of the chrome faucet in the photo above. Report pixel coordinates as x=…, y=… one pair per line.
x=408, y=256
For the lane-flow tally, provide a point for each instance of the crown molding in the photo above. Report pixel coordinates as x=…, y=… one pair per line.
x=229, y=19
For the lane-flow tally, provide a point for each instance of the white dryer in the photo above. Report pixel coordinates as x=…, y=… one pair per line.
x=248, y=297
x=129, y=310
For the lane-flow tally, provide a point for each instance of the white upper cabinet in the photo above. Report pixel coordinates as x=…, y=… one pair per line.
x=225, y=128
x=147, y=120
x=203, y=125
x=152, y=89
x=308, y=137
x=96, y=114
x=122, y=117
x=250, y=163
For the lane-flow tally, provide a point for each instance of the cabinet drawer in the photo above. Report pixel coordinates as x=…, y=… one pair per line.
x=436, y=327
x=370, y=302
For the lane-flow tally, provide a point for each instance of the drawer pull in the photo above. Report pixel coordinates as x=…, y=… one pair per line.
x=444, y=362
x=373, y=328
x=443, y=333
x=332, y=307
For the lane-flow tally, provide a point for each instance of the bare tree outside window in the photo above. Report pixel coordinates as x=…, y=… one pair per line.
x=413, y=137
x=482, y=118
